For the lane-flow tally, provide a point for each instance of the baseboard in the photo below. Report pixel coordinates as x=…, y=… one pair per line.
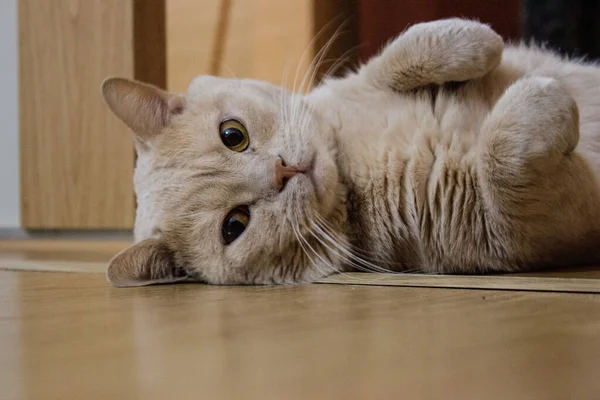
x=66, y=234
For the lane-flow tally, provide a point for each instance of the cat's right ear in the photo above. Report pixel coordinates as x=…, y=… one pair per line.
x=148, y=262
x=144, y=108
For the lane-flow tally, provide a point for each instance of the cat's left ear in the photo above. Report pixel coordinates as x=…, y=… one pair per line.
x=145, y=108
x=148, y=262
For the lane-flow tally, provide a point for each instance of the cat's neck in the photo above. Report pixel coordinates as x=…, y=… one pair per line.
x=379, y=213
x=372, y=165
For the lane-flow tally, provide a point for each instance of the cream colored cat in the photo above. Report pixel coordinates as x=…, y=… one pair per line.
x=444, y=154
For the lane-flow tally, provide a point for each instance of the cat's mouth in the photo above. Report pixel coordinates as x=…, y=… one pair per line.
x=306, y=170
x=311, y=172
x=316, y=178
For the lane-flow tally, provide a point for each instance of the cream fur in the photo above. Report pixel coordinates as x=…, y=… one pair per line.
x=406, y=168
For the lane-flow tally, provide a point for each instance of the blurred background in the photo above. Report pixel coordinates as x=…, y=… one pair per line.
x=66, y=163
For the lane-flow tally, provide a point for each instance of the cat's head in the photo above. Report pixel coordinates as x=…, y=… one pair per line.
x=231, y=178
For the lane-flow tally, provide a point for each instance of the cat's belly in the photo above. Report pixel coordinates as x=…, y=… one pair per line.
x=415, y=199
x=410, y=165
x=412, y=185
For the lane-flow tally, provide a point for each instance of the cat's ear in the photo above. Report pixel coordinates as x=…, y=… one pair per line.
x=145, y=263
x=145, y=108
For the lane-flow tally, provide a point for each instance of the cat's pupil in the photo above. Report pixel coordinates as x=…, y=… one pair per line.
x=232, y=137
x=232, y=228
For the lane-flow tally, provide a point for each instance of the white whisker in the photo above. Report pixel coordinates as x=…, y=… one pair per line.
x=356, y=253
x=351, y=258
x=305, y=244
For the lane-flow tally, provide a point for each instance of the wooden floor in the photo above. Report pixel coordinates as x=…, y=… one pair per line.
x=72, y=336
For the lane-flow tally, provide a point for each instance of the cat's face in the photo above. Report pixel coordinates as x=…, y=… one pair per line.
x=230, y=179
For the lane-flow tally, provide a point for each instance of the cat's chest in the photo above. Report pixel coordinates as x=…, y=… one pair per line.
x=410, y=134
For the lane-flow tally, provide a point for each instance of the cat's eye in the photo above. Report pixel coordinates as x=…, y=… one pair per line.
x=235, y=223
x=234, y=135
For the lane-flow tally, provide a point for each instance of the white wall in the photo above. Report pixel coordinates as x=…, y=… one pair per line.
x=9, y=116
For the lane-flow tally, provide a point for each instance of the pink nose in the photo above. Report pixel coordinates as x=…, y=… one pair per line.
x=283, y=173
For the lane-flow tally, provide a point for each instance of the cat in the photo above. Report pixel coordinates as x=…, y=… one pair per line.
x=448, y=152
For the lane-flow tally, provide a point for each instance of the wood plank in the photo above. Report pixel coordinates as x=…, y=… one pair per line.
x=261, y=40
x=190, y=26
x=83, y=267
x=72, y=336
x=590, y=283
x=76, y=158
x=92, y=257
x=64, y=247
x=81, y=256
x=281, y=42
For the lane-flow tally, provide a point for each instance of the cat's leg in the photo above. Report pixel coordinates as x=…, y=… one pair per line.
x=540, y=195
x=530, y=131
x=451, y=50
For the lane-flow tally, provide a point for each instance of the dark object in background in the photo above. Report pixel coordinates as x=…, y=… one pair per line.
x=381, y=20
x=571, y=27
x=331, y=17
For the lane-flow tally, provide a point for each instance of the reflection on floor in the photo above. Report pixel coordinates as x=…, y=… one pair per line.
x=71, y=335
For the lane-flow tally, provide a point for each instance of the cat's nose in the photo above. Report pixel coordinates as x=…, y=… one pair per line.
x=283, y=173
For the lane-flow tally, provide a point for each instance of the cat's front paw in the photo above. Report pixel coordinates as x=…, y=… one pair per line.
x=437, y=52
x=467, y=49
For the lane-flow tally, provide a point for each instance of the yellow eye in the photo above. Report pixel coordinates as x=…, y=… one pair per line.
x=234, y=135
x=235, y=223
